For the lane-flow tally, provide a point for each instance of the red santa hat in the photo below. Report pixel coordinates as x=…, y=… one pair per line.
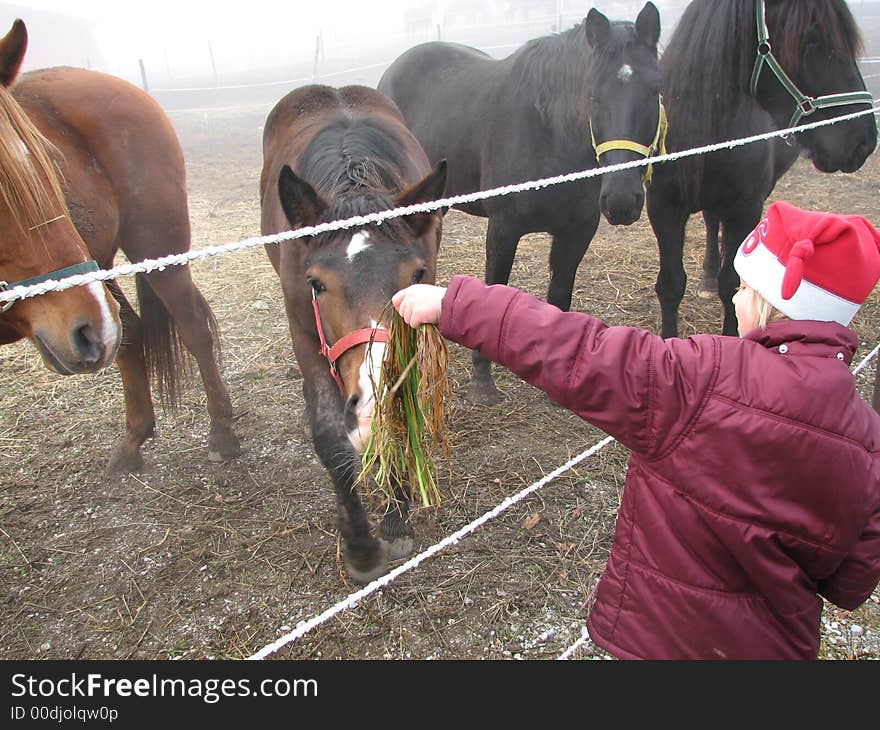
x=811, y=265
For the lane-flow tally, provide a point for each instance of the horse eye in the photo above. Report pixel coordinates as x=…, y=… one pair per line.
x=418, y=276
x=317, y=286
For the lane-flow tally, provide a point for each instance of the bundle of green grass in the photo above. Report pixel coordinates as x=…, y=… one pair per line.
x=409, y=421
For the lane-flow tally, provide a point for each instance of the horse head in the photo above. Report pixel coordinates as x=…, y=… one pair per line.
x=806, y=70
x=351, y=275
x=76, y=330
x=624, y=106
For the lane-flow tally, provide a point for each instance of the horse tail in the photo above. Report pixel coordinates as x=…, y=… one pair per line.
x=164, y=354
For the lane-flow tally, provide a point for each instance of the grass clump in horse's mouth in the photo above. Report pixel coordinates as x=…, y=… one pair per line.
x=409, y=421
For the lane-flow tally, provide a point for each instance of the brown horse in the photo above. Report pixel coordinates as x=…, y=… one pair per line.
x=92, y=165
x=77, y=330
x=330, y=154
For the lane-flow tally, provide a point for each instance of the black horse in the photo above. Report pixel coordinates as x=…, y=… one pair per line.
x=724, y=78
x=533, y=115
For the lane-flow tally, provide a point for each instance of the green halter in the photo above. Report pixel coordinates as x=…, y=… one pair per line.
x=659, y=143
x=82, y=268
x=804, y=105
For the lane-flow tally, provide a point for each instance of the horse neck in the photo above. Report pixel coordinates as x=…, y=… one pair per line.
x=717, y=37
x=552, y=69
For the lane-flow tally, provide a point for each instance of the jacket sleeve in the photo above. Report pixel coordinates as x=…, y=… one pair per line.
x=632, y=384
x=857, y=576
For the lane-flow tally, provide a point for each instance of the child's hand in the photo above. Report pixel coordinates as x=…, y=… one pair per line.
x=419, y=304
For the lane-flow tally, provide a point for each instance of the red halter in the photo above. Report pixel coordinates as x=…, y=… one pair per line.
x=344, y=344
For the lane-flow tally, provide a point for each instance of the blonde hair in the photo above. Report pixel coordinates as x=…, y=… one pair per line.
x=765, y=313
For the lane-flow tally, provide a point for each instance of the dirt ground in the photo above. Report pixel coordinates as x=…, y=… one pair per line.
x=190, y=559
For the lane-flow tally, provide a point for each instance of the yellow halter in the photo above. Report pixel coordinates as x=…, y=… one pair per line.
x=658, y=145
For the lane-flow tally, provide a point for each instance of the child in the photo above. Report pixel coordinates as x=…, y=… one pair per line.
x=753, y=484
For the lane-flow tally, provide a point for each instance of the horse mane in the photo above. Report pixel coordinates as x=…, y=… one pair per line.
x=30, y=183
x=551, y=69
x=702, y=101
x=356, y=165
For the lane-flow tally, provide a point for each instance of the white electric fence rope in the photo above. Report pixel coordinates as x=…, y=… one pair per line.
x=352, y=600
x=284, y=82
x=147, y=265
x=867, y=358
x=584, y=638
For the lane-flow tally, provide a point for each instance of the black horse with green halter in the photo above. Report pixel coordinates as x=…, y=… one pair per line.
x=804, y=105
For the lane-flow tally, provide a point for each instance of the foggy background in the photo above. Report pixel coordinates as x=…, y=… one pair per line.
x=208, y=54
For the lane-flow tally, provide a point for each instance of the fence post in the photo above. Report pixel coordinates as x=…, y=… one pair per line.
x=144, y=75
x=319, y=53
x=213, y=65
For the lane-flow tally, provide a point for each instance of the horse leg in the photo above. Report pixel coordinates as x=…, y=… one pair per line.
x=365, y=558
x=669, y=225
x=394, y=529
x=735, y=230
x=140, y=418
x=198, y=331
x=711, y=258
x=567, y=250
x=501, y=242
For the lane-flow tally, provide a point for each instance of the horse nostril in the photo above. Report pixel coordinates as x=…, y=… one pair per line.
x=87, y=345
x=349, y=413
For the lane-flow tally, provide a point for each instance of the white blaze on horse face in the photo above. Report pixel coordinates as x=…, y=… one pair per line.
x=109, y=329
x=369, y=372
x=625, y=73
x=359, y=242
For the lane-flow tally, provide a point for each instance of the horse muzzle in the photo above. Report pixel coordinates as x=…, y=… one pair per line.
x=360, y=405
x=827, y=160
x=622, y=207
x=358, y=420
x=83, y=350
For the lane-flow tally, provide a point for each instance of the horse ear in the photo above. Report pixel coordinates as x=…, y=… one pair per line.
x=429, y=189
x=648, y=25
x=12, y=48
x=299, y=201
x=598, y=29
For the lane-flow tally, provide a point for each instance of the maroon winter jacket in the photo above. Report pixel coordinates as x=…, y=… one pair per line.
x=753, y=481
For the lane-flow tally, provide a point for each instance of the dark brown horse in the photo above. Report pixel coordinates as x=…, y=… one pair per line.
x=91, y=165
x=720, y=83
x=532, y=115
x=328, y=155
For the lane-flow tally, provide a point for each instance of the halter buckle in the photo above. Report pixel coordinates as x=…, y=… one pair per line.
x=5, y=306
x=807, y=106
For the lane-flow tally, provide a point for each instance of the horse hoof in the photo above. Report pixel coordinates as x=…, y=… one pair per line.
x=483, y=394
x=708, y=288
x=371, y=569
x=399, y=547
x=125, y=462
x=223, y=446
